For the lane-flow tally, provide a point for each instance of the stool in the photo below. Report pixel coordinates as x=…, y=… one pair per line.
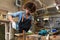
x=21, y=36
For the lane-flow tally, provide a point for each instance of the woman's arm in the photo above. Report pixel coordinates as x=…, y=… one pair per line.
x=10, y=18
x=13, y=15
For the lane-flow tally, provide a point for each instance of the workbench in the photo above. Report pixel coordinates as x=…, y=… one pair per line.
x=8, y=29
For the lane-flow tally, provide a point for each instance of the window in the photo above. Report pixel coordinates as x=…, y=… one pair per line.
x=18, y=3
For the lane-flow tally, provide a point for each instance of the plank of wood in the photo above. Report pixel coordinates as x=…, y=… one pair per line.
x=4, y=20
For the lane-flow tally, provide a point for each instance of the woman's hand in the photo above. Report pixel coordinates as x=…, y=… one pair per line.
x=13, y=25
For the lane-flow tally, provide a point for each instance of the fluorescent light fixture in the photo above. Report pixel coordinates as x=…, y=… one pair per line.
x=57, y=7
x=46, y=18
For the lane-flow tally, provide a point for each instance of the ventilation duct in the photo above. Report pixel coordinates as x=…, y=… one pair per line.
x=41, y=11
x=52, y=10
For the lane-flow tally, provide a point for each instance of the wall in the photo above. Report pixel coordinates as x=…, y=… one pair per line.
x=8, y=5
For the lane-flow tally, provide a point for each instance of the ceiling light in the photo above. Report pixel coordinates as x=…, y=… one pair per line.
x=57, y=7
x=37, y=19
x=46, y=18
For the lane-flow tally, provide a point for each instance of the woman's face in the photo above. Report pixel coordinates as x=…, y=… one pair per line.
x=27, y=11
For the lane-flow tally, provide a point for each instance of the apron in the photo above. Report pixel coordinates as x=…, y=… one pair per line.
x=25, y=25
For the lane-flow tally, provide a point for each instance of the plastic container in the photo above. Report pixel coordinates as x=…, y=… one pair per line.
x=54, y=30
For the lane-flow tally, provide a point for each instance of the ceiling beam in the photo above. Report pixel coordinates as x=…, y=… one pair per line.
x=48, y=7
x=40, y=3
x=54, y=5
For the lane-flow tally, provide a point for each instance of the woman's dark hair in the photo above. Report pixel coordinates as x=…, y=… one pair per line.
x=30, y=6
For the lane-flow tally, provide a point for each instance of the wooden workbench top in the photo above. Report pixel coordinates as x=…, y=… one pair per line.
x=4, y=20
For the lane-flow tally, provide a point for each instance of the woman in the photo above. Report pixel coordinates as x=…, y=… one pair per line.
x=24, y=21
